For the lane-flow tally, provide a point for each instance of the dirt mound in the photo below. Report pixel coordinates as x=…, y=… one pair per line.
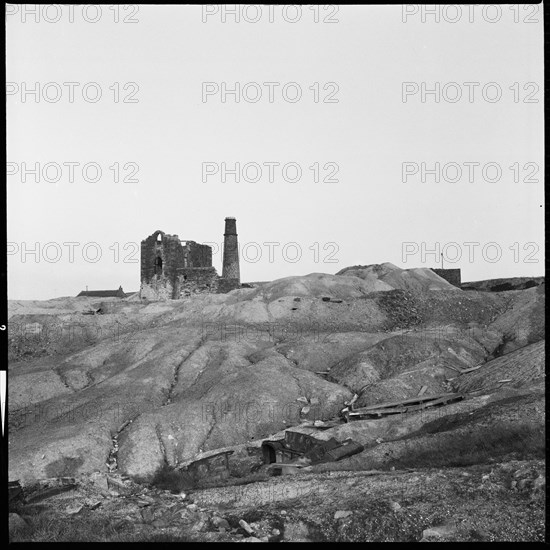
x=522, y=318
x=416, y=279
x=514, y=369
x=318, y=285
x=398, y=367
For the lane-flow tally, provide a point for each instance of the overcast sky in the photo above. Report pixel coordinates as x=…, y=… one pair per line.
x=155, y=127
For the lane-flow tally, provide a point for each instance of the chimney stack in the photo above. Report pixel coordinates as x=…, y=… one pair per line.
x=231, y=251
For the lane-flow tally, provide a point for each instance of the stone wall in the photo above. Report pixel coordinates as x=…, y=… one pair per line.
x=191, y=280
x=172, y=269
x=196, y=280
x=158, y=288
x=198, y=255
x=227, y=285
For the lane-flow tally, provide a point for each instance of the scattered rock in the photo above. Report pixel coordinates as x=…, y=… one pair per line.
x=429, y=534
x=199, y=526
x=439, y=531
x=220, y=523
x=539, y=484
x=395, y=506
x=341, y=514
x=101, y=482
x=144, y=501
x=147, y=515
x=522, y=484
x=93, y=504
x=246, y=527
x=74, y=508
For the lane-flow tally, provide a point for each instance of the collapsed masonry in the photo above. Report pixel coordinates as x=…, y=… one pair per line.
x=172, y=268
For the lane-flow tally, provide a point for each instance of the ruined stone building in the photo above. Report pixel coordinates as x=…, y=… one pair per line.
x=450, y=275
x=172, y=268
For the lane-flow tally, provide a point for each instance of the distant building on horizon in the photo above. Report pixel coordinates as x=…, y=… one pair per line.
x=103, y=293
x=450, y=275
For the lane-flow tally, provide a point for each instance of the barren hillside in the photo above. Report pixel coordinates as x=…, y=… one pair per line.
x=143, y=389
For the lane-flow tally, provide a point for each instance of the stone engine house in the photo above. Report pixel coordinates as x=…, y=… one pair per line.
x=172, y=268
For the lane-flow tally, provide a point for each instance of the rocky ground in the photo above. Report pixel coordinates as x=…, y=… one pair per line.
x=450, y=504
x=138, y=392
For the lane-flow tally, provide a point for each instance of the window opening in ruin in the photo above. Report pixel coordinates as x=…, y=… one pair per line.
x=159, y=238
x=158, y=266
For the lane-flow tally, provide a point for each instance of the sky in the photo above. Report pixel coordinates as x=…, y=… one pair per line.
x=133, y=127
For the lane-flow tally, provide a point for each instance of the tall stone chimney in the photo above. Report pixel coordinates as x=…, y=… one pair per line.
x=231, y=251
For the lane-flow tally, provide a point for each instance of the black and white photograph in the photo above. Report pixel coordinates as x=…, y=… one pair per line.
x=274, y=273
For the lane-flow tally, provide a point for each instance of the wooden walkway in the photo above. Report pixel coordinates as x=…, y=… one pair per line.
x=401, y=407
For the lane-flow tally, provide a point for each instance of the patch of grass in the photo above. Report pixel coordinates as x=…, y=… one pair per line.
x=47, y=526
x=525, y=440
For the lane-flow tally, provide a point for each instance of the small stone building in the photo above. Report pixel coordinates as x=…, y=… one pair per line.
x=450, y=275
x=103, y=293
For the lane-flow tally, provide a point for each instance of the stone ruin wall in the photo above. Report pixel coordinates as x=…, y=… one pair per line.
x=450, y=275
x=173, y=269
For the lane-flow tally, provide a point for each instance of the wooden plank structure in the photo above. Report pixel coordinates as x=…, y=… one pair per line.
x=297, y=444
x=448, y=365
x=212, y=467
x=401, y=407
x=15, y=491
